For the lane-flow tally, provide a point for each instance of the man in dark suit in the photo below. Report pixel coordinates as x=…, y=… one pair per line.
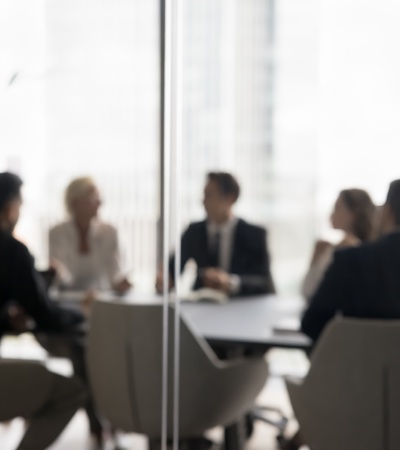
x=231, y=254
x=27, y=389
x=362, y=281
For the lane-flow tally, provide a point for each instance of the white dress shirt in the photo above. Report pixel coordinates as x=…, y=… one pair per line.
x=226, y=242
x=98, y=269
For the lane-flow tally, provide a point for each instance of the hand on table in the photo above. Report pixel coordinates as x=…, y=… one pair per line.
x=122, y=286
x=215, y=278
x=18, y=319
x=87, y=301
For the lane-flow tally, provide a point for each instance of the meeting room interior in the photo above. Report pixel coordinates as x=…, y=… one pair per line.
x=199, y=222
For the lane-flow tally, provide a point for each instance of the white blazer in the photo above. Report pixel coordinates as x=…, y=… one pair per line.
x=98, y=269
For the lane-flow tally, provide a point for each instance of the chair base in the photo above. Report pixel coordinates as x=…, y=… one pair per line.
x=259, y=413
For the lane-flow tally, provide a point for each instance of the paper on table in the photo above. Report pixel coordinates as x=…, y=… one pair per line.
x=288, y=325
x=206, y=295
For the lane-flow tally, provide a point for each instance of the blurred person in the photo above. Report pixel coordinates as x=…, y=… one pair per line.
x=355, y=214
x=48, y=401
x=85, y=255
x=362, y=282
x=231, y=254
x=84, y=249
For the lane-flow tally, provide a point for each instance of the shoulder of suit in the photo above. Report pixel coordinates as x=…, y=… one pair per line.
x=194, y=226
x=359, y=252
x=13, y=246
x=250, y=227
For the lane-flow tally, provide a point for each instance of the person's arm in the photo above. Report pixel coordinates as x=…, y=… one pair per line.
x=4, y=320
x=116, y=278
x=27, y=289
x=327, y=300
x=321, y=260
x=114, y=272
x=57, y=257
x=258, y=277
x=185, y=253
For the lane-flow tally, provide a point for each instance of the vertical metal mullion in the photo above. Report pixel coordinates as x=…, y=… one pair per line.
x=160, y=231
x=176, y=146
x=165, y=195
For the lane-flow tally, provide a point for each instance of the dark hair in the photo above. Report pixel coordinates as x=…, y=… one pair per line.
x=393, y=200
x=227, y=183
x=10, y=188
x=360, y=204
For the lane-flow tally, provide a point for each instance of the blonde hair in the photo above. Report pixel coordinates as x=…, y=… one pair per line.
x=77, y=189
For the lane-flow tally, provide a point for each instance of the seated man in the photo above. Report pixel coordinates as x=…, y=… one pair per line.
x=27, y=389
x=231, y=254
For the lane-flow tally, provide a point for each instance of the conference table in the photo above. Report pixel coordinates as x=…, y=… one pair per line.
x=257, y=322
x=254, y=322
x=247, y=325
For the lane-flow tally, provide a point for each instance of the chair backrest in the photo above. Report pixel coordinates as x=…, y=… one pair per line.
x=353, y=387
x=125, y=365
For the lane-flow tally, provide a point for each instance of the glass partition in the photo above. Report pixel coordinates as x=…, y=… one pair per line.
x=298, y=100
x=80, y=96
x=249, y=107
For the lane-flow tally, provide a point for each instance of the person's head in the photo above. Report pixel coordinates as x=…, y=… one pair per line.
x=82, y=199
x=390, y=211
x=220, y=193
x=10, y=200
x=354, y=212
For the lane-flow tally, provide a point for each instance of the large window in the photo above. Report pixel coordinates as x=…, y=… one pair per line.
x=80, y=96
x=297, y=99
x=228, y=100
x=359, y=97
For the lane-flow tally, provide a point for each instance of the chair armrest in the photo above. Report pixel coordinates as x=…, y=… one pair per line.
x=238, y=383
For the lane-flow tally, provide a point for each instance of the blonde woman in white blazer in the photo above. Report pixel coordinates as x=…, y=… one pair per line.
x=84, y=249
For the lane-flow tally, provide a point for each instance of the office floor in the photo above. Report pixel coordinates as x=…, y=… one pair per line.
x=75, y=436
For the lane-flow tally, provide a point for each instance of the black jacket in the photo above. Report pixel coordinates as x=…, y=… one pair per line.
x=20, y=283
x=361, y=282
x=250, y=258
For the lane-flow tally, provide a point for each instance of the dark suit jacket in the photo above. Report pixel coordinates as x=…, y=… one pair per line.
x=250, y=258
x=361, y=282
x=20, y=283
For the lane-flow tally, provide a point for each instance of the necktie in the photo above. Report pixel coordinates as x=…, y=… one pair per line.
x=213, y=250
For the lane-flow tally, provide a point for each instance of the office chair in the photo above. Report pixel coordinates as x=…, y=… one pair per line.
x=124, y=360
x=269, y=415
x=350, y=398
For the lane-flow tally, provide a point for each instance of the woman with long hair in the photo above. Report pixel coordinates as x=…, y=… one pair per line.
x=354, y=213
